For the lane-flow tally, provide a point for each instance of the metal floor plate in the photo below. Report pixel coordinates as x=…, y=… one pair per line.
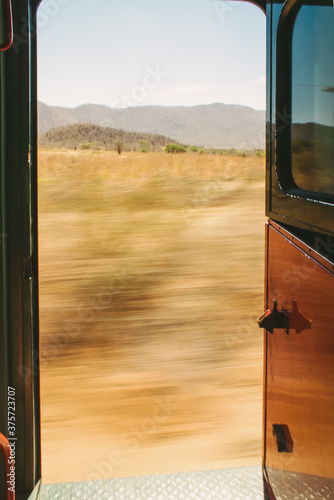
x=228, y=484
x=298, y=486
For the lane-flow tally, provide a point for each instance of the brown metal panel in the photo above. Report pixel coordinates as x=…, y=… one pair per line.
x=299, y=368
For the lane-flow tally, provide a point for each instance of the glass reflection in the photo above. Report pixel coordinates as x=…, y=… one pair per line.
x=312, y=103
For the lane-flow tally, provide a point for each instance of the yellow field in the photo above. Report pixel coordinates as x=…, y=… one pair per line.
x=151, y=279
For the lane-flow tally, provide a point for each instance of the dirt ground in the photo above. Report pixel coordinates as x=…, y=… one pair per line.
x=151, y=279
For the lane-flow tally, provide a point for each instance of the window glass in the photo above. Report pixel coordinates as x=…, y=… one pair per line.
x=312, y=103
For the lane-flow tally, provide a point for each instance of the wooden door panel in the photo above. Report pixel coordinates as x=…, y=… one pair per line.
x=299, y=370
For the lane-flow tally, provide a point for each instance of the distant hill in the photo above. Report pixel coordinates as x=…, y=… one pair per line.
x=209, y=125
x=313, y=131
x=87, y=135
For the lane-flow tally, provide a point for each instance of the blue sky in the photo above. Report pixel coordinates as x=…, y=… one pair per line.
x=144, y=52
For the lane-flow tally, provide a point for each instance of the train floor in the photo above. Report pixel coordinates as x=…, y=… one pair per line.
x=228, y=484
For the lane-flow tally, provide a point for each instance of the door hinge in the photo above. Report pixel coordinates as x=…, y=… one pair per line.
x=28, y=267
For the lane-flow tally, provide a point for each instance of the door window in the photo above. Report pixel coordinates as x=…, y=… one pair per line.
x=312, y=99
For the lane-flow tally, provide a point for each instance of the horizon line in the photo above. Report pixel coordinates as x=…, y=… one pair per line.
x=150, y=105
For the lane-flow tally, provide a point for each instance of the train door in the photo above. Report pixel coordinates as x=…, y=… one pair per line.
x=299, y=321
x=19, y=377
x=19, y=367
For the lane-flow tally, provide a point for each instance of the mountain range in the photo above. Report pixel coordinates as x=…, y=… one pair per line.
x=208, y=125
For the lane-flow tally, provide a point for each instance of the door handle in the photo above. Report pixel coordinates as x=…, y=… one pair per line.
x=274, y=318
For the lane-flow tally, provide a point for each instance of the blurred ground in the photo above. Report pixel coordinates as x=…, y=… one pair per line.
x=151, y=279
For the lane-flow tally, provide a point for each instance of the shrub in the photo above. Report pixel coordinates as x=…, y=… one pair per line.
x=175, y=148
x=87, y=145
x=119, y=146
x=147, y=145
x=193, y=149
x=242, y=153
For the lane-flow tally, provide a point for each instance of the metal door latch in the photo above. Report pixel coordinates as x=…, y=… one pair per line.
x=283, y=438
x=274, y=318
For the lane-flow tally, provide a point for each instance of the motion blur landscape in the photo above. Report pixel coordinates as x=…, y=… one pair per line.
x=151, y=280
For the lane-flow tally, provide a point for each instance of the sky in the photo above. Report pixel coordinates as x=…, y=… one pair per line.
x=124, y=53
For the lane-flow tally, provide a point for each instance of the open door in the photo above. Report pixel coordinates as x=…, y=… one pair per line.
x=299, y=321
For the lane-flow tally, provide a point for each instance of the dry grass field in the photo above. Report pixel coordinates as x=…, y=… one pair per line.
x=151, y=279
